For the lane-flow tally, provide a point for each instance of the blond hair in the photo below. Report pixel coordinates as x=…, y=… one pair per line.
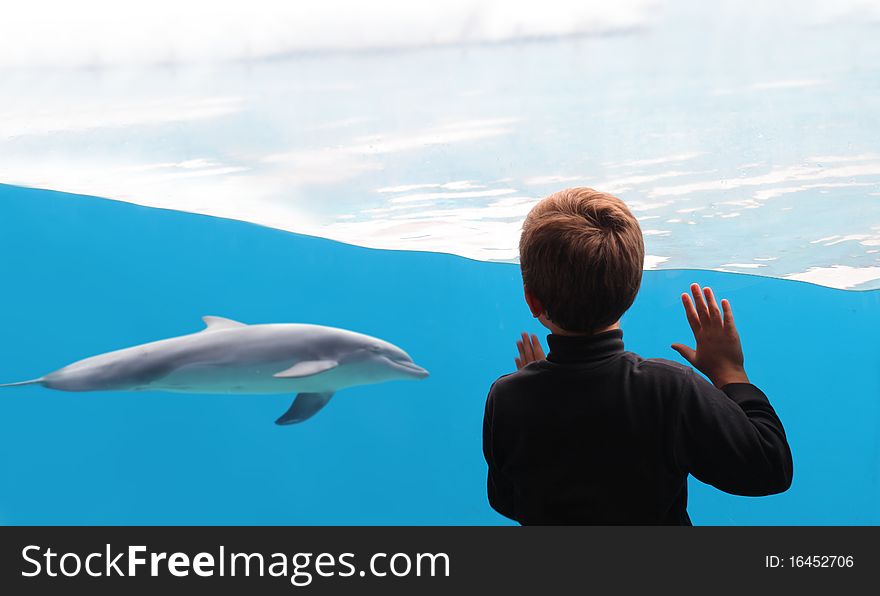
x=582, y=254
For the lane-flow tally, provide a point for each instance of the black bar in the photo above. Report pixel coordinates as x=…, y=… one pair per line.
x=507, y=560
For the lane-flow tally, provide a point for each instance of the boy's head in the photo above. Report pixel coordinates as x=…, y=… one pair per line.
x=581, y=253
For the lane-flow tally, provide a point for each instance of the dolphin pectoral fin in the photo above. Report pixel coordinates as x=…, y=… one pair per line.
x=306, y=368
x=217, y=323
x=304, y=406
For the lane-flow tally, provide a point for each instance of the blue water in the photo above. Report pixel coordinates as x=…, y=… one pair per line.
x=83, y=275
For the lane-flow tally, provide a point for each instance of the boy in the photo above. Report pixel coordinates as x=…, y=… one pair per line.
x=594, y=434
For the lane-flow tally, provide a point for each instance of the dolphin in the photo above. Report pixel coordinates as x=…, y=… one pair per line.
x=234, y=358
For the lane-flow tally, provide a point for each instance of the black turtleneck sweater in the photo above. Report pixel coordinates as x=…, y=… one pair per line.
x=598, y=435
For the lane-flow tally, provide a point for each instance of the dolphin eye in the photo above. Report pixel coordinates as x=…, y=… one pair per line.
x=374, y=348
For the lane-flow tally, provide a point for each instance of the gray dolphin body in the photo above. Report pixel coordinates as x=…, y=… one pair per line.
x=231, y=357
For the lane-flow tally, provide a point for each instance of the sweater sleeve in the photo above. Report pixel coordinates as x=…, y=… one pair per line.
x=499, y=490
x=732, y=439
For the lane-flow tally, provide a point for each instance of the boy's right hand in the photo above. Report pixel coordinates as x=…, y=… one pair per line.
x=719, y=352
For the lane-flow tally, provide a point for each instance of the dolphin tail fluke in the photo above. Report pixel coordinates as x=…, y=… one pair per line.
x=22, y=383
x=304, y=407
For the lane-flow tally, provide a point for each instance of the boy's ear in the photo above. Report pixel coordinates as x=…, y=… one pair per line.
x=534, y=304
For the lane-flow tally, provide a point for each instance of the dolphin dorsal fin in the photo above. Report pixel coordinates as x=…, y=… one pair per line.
x=217, y=323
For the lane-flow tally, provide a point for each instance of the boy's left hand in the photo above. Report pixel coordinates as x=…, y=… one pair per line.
x=719, y=353
x=530, y=350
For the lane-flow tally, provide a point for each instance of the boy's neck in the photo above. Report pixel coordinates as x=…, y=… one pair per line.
x=556, y=330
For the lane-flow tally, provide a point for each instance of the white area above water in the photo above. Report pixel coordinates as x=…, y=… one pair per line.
x=107, y=32
x=730, y=160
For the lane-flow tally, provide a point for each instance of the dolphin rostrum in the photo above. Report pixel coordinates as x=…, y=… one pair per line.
x=232, y=357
